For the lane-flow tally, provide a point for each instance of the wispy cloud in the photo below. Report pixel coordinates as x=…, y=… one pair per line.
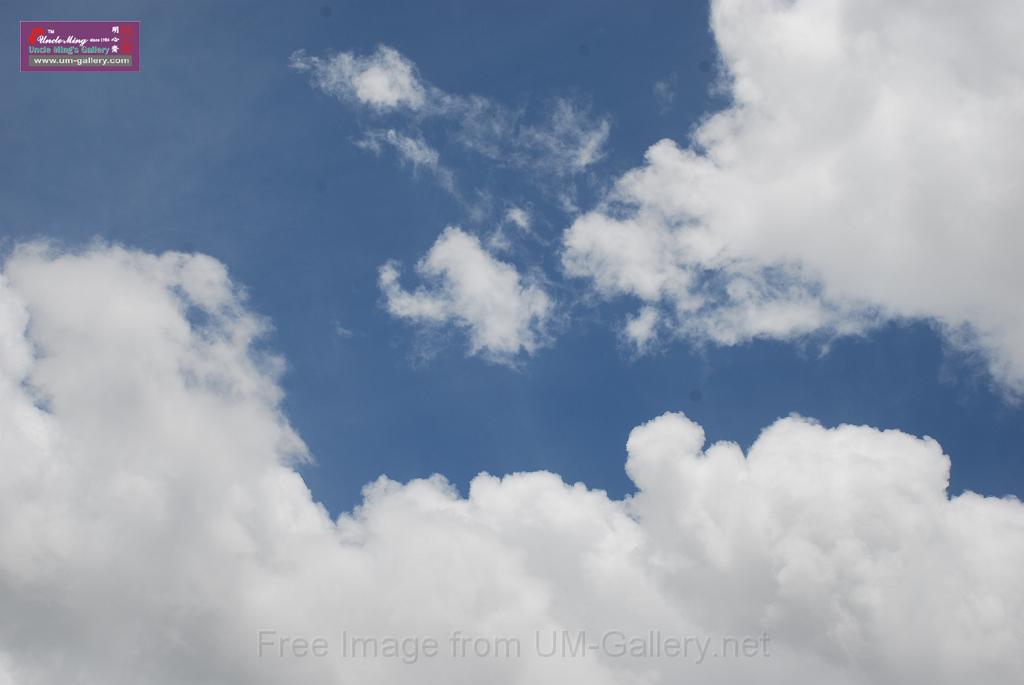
x=414, y=151
x=384, y=80
x=566, y=140
x=469, y=288
x=665, y=93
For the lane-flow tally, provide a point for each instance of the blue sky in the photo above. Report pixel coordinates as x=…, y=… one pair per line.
x=218, y=147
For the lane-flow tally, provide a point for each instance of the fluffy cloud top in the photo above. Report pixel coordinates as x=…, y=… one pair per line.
x=151, y=524
x=488, y=298
x=866, y=169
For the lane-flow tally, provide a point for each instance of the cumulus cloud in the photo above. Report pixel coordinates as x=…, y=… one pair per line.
x=865, y=170
x=503, y=314
x=152, y=524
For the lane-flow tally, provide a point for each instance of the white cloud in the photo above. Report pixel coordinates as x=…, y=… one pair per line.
x=641, y=330
x=567, y=141
x=412, y=150
x=151, y=524
x=519, y=217
x=384, y=80
x=499, y=241
x=865, y=170
x=570, y=141
x=503, y=315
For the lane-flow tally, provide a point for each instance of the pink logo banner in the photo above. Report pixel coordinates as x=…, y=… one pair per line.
x=80, y=45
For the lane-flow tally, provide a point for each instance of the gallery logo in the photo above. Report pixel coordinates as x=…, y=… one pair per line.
x=80, y=46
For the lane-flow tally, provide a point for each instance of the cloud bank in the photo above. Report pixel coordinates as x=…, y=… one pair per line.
x=866, y=170
x=152, y=523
